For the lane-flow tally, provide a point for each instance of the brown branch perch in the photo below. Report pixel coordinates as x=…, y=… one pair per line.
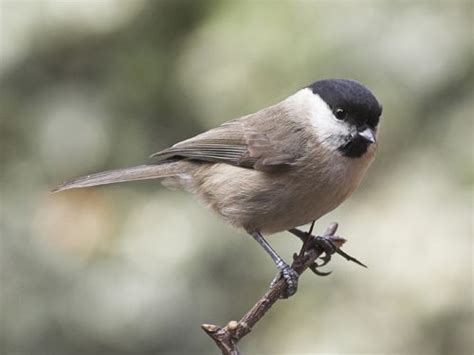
x=228, y=337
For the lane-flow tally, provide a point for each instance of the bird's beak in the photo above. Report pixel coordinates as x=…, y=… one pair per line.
x=368, y=135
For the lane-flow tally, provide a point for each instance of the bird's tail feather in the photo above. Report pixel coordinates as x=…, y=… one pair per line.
x=140, y=172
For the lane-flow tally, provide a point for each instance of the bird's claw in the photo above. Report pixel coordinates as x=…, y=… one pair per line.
x=326, y=245
x=314, y=268
x=291, y=278
x=329, y=248
x=326, y=259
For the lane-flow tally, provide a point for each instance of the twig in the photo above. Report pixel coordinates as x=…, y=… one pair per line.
x=228, y=337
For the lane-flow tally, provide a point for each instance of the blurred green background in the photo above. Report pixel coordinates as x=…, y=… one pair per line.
x=135, y=268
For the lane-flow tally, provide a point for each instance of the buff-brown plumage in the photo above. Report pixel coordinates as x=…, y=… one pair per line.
x=281, y=167
x=269, y=171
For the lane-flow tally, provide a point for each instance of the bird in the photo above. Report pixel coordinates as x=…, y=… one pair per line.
x=283, y=166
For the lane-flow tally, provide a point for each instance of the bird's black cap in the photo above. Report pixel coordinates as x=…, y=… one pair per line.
x=351, y=96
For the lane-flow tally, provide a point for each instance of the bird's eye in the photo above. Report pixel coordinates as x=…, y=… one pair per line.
x=340, y=114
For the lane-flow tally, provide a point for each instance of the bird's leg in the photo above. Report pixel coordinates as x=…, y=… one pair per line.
x=302, y=235
x=290, y=275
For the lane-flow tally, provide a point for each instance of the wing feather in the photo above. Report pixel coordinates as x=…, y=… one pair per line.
x=251, y=142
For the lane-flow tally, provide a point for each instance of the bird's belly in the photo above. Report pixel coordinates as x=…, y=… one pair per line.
x=271, y=203
x=297, y=208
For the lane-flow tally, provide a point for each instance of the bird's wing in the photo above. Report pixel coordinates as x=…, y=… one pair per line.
x=267, y=140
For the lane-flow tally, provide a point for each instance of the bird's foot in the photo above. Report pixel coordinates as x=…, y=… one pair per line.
x=327, y=245
x=291, y=279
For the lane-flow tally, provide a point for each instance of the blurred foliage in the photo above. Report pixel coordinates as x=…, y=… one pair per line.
x=135, y=269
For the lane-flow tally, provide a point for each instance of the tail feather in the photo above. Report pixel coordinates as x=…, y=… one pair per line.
x=140, y=172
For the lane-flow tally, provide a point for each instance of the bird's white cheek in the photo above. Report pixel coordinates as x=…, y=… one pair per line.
x=327, y=128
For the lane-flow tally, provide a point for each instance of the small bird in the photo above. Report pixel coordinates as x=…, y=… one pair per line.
x=270, y=171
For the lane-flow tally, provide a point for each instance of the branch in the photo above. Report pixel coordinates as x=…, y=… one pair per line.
x=228, y=337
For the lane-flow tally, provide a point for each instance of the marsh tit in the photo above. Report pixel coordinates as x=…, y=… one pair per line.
x=270, y=171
